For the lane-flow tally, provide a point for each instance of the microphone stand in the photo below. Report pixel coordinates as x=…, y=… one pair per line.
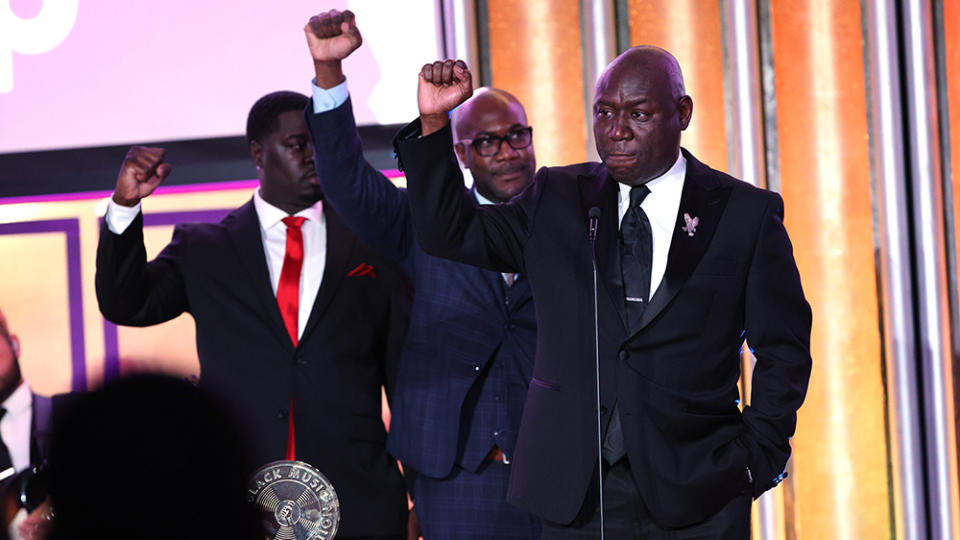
x=594, y=216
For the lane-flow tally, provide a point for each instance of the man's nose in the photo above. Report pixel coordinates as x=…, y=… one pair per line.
x=618, y=128
x=308, y=153
x=506, y=152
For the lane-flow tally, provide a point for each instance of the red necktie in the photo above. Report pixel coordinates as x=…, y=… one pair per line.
x=288, y=290
x=288, y=299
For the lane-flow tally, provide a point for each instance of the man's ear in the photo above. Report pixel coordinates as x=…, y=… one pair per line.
x=685, y=110
x=461, y=150
x=256, y=153
x=15, y=345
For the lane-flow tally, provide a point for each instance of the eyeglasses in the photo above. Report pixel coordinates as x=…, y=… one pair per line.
x=489, y=145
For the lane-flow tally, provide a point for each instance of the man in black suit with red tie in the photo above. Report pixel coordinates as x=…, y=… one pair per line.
x=299, y=324
x=690, y=263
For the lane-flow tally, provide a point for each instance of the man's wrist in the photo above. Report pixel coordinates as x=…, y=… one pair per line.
x=122, y=201
x=431, y=123
x=329, y=73
x=118, y=217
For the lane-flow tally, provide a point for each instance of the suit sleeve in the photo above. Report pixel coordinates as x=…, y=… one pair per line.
x=132, y=292
x=401, y=301
x=778, y=321
x=371, y=205
x=448, y=224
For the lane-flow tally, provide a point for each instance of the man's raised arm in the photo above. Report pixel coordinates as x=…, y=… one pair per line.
x=370, y=203
x=446, y=221
x=130, y=291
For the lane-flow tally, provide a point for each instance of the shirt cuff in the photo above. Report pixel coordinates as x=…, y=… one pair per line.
x=120, y=217
x=328, y=99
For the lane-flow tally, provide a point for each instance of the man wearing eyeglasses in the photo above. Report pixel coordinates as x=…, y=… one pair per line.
x=495, y=144
x=468, y=358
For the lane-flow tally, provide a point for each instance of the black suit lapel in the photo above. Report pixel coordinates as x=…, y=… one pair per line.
x=340, y=244
x=243, y=227
x=703, y=200
x=41, y=427
x=599, y=190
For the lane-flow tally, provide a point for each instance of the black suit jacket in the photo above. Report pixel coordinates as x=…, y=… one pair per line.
x=674, y=376
x=349, y=348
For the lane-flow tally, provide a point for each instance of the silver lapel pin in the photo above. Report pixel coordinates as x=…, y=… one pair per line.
x=691, y=224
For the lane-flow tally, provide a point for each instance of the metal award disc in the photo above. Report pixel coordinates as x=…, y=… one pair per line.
x=294, y=502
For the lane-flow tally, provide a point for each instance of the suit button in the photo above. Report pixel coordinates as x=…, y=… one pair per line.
x=299, y=359
x=603, y=410
x=507, y=326
x=282, y=414
x=623, y=355
x=476, y=367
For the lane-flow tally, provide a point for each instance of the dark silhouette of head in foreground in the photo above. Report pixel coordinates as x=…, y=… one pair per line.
x=148, y=457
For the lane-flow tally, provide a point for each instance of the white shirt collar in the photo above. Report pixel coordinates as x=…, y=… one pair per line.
x=269, y=215
x=21, y=399
x=480, y=198
x=666, y=181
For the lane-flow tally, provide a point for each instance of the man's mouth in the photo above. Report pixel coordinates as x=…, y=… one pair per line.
x=620, y=160
x=510, y=174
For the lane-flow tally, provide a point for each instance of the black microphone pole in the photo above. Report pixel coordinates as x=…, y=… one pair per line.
x=594, y=219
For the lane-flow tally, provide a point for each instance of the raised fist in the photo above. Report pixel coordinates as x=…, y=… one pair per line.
x=142, y=171
x=332, y=35
x=443, y=85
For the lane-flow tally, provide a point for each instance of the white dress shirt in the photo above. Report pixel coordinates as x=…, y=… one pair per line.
x=328, y=99
x=15, y=429
x=15, y=425
x=273, y=234
x=661, y=206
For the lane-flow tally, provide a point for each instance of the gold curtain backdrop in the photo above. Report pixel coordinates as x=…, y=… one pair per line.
x=840, y=457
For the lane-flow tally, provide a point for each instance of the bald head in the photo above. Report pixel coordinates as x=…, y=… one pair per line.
x=639, y=110
x=494, y=142
x=653, y=60
x=466, y=117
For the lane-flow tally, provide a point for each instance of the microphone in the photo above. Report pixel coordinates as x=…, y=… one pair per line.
x=593, y=224
x=594, y=215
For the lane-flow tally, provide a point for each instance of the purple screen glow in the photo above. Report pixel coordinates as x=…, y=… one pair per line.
x=92, y=73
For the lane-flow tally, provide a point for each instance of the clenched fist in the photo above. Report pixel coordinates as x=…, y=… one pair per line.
x=142, y=171
x=442, y=87
x=331, y=36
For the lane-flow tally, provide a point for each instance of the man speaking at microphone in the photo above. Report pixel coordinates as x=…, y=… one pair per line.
x=690, y=263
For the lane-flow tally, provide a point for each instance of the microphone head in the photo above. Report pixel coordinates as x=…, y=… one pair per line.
x=594, y=213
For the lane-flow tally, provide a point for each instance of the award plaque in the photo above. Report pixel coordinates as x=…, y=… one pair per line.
x=294, y=501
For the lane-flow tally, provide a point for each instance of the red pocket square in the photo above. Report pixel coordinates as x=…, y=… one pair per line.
x=363, y=269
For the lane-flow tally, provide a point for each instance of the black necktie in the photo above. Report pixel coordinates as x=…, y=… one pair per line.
x=5, y=461
x=636, y=256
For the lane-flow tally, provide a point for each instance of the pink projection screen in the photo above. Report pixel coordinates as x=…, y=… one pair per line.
x=80, y=73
